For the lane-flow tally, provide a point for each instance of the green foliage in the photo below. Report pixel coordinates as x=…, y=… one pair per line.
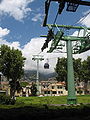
x=86, y=73
x=77, y=63
x=16, y=84
x=81, y=69
x=11, y=65
x=61, y=69
x=33, y=89
x=6, y=100
x=24, y=84
x=12, y=62
x=86, y=69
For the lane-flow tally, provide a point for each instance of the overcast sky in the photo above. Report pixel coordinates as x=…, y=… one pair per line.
x=21, y=27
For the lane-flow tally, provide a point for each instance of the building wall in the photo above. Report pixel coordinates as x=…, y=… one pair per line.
x=48, y=88
x=53, y=89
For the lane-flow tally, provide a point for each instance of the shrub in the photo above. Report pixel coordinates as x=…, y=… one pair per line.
x=4, y=99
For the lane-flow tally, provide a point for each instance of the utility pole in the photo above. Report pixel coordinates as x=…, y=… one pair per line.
x=37, y=58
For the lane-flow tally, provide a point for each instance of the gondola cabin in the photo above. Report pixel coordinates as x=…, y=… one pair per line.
x=46, y=66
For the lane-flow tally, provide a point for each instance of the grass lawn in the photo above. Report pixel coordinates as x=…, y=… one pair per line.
x=83, y=99
x=51, y=100
x=43, y=100
x=36, y=108
x=40, y=101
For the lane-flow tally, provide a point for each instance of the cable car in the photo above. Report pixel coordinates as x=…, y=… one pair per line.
x=46, y=65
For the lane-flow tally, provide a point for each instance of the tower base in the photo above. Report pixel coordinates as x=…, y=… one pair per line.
x=71, y=101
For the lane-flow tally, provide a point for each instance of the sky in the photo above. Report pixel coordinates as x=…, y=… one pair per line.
x=21, y=28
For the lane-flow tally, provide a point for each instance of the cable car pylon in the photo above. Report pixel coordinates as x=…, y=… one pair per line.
x=37, y=58
x=82, y=46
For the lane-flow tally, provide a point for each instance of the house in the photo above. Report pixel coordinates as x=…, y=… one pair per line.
x=81, y=87
x=53, y=88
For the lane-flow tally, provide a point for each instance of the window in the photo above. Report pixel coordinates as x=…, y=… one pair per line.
x=45, y=92
x=52, y=87
x=53, y=92
x=48, y=92
x=61, y=92
x=59, y=87
x=80, y=92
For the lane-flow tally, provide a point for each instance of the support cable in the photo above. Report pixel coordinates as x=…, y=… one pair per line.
x=83, y=18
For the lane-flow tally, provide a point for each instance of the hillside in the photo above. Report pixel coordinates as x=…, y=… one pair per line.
x=31, y=75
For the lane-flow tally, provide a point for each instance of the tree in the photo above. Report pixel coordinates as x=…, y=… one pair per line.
x=24, y=84
x=81, y=70
x=12, y=63
x=61, y=69
x=33, y=89
x=77, y=63
x=86, y=73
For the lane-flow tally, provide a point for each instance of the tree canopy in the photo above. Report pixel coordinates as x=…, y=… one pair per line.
x=61, y=69
x=81, y=69
x=11, y=64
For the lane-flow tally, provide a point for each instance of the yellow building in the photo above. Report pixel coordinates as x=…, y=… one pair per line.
x=53, y=89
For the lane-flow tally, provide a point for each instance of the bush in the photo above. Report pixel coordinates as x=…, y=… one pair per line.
x=12, y=101
x=4, y=99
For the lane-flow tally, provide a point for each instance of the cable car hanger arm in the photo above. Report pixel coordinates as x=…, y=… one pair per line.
x=67, y=26
x=47, y=5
